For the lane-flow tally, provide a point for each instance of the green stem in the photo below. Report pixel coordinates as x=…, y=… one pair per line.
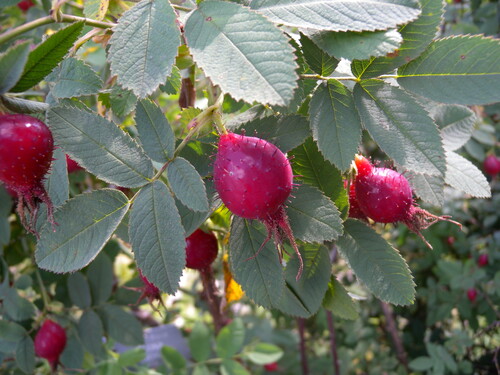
x=180, y=7
x=45, y=295
x=67, y=18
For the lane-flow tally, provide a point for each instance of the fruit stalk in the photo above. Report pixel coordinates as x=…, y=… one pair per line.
x=212, y=298
x=333, y=343
x=391, y=328
x=301, y=322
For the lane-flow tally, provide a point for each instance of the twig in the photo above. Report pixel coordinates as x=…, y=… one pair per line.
x=393, y=332
x=302, y=346
x=213, y=299
x=333, y=343
x=495, y=359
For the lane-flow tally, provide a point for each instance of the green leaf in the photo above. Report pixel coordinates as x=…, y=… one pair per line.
x=257, y=66
x=258, y=272
x=79, y=290
x=99, y=146
x=159, y=253
x=25, y=355
x=421, y=364
x=20, y=105
x=304, y=297
x=263, y=353
x=120, y=325
x=335, y=123
x=10, y=336
x=174, y=82
x=451, y=64
x=357, y=45
x=56, y=182
x=144, y=45
x=155, y=133
x=187, y=185
x=16, y=307
x=85, y=224
x=201, y=370
x=338, y=301
x=91, y=332
x=376, y=263
x=340, y=15
x=232, y=367
x=416, y=37
x=464, y=176
x=174, y=359
x=456, y=123
x=286, y=132
x=5, y=210
x=47, y=55
x=131, y=357
x=230, y=339
x=100, y=277
x=122, y=101
x=74, y=78
x=191, y=220
x=428, y=188
x=72, y=356
x=12, y=64
x=199, y=342
x=313, y=217
x=95, y=9
x=319, y=61
x=400, y=126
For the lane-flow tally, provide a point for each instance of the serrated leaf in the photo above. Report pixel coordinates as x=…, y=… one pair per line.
x=155, y=133
x=451, y=64
x=74, y=78
x=259, y=273
x=335, y=123
x=10, y=335
x=99, y=146
x=191, y=220
x=338, y=15
x=47, y=55
x=199, y=342
x=79, y=290
x=357, y=45
x=456, y=123
x=311, y=167
x=254, y=67
x=464, y=176
x=303, y=298
x=428, y=188
x=121, y=325
x=263, y=353
x=313, y=217
x=338, y=301
x=100, y=277
x=12, y=64
x=400, y=126
x=187, y=185
x=25, y=355
x=91, y=332
x=230, y=339
x=144, y=45
x=174, y=81
x=286, y=132
x=319, y=61
x=416, y=37
x=85, y=224
x=16, y=307
x=122, y=101
x=72, y=355
x=376, y=263
x=20, y=105
x=157, y=236
x=95, y=9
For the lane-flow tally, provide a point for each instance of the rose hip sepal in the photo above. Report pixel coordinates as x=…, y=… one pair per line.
x=26, y=147
x=50, y=341
x=254, y=179
x=385, y=196
x=149, y=291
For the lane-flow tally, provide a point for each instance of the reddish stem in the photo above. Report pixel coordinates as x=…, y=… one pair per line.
x=390, y=325
x=213, y=299
x=302, y=346
x=333, y=342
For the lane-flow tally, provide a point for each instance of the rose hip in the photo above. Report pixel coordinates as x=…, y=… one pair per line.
x=201, y=249
x=50, y=341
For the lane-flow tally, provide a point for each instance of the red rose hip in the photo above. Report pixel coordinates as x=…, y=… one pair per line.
x=201, y=250
x=50, y=342
x=491, y=165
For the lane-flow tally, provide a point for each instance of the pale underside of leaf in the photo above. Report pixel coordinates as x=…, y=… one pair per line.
x=463, y=175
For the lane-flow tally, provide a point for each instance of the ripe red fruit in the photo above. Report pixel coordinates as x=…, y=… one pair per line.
x=201, y=249
x=482, y=260
x=271, y=367
x=354, y=209
x=254, y=179
x=50, y=341
x=72, y=165
x=26, y=147
x=24, y=5
x=385, y=196
x=491, y=165
x=472, y=294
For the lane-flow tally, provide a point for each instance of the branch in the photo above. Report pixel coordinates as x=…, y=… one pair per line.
x=393, y=332
x=302, y=346
x=333, y=342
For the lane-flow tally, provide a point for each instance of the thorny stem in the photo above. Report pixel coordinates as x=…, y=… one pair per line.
x=213, y=300
x=302, y=346
x=393, y=332
x=66, y=18
x=333, y=342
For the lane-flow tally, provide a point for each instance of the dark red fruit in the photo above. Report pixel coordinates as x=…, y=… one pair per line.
x=482, y=260
x=472, y=294
x=385, y=196
x=24, y=5
x=271, y=367
x=26, y=147
x=201, y=249
x=491, y=165
x=254, y=179
x=50, y=341
x=72, y=165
